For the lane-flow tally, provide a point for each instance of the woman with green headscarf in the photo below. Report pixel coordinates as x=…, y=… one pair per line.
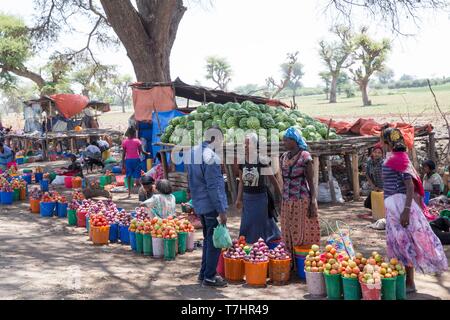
x=299, y=220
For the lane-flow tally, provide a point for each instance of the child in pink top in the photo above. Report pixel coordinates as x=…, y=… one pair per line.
x=131, y=161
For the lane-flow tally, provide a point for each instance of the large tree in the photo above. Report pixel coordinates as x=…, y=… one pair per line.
x=218, y=70
x=121, y=90
x=336, y=55
x=370, y=56
x=291, y=73
x=385, y=76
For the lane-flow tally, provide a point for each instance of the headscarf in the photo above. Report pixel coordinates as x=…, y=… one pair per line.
x=295, y=135
x=378, y=146
x=394, y=138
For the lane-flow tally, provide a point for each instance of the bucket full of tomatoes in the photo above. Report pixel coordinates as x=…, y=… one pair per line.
x=99, y=229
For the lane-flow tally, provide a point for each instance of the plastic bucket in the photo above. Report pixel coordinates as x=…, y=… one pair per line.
x=316, y=284
x=158, y=247
x=117, y=170
x=333, y=284
x=104, y=180
x=426, y=198
x=133, y=240
x=19, y=161
x=370, y=292
x=27, y=178
x=234, y=270
x=352, y=289
x=38, y=176
x=7, y=197
x=388, y=289
x=88, y=225
x=300, y=260
x=190, y=242
x=76, y=183
x=100, y=235
x=124, y=235
x=52, y=176
x=61, y=210
x=72, y=217
x=44, y=185
x=23, y=194
x=280, y=271
x=113, y=232
x=400, y=290
x=81, y=219
x=148, y=251
x=16, y=195
x=220, y=269
x=182, y=242
x=139, y=243
x=180, y=196
x=68, y=182
x=256, y=273
x=170, y=249
x=47, y=209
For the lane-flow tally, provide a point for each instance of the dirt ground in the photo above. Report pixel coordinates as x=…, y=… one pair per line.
x=47, y=259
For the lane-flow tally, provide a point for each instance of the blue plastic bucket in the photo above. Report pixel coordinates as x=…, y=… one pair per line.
x=19, y=161
x=47, y=209
x=7, y=197
x=38, y=177
x=44, y=185
x=300, y=267
x=61, y=209
x=27, y=178
x=124, y=235
x=117, y=170
x=133, y=241
x=114, y=232
x=426, y=199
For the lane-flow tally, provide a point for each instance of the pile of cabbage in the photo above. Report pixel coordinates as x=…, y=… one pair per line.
x=236, y=120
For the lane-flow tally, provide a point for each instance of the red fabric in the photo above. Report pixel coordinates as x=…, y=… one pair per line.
x=369, y=127
x=158, y=98
x=70, y=105
x=399, y=161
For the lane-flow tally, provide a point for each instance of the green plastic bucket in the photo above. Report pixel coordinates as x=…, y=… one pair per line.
x=445, y=213
x=388, y=288
x=333, y=284
x=52, y=176
x=400, y=287
x=170, y=249
x=139, y=242
x=182, y=242
x=72, y=217
x=103, y=181
x=147, y=245
x=352, y=289
x=180, y=196
x=16, y=195
x=25, y=171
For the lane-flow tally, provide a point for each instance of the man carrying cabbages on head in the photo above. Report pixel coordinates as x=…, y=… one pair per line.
x=207, y=188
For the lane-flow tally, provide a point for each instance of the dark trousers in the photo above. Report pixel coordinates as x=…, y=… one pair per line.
x=441, y=228
x=368, y=202
x=211, y=254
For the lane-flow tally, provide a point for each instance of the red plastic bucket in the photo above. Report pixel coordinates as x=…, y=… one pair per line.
x=68, y=182
x=221, y=266
x=81, y=219
x=370, y=292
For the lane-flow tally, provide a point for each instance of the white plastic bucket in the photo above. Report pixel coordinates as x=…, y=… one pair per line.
x=316, y=284
x=158, y=247
x=190, y=242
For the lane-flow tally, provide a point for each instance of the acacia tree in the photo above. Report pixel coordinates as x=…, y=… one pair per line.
x=326, y=78
x=370, y=56
x=121, y=90
x=291, y=72
x=218, y=70
x=385, y=76
x=336, y=55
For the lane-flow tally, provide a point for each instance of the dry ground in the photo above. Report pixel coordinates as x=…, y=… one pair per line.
x=47, y=259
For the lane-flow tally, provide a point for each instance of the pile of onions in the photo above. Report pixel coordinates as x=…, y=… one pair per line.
x=258, y=253
x=279, y=253
x=235, y=252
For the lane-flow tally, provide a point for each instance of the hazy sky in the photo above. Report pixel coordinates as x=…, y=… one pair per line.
x=255, y=35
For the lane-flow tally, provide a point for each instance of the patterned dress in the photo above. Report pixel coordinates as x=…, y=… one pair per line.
x=296, y=227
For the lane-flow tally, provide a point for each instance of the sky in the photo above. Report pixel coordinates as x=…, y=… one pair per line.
x=255, y=36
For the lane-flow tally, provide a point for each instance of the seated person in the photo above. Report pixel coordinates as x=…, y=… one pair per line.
x=157, y=172
x=441, y=228
x=93, y=156
x=146, y=190
x=162, y=204
x=432, y=181
x=7, y=157
x=74, y=169
x=93, y=190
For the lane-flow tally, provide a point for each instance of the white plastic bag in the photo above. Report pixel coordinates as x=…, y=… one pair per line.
x=59, y=180
x=324, y=194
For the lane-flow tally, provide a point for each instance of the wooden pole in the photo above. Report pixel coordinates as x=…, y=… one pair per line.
x=355, y=179
x=316, y=166
x=330, y=181
x=414, y=158
x=432, y=146
x=348, y=168
x=231, y=181
x=323, y=169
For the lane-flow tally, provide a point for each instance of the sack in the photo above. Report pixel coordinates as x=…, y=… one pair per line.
x=221, y=237
x=59, y=180
x=340, y=239
x=324, y=194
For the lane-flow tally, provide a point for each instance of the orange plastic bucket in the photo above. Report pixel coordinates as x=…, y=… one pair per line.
x=76, y=183
x=234, y=270
x=280, y=271
x=256, y=273
x=23, y=194
x=100, y=235
x=35, y=206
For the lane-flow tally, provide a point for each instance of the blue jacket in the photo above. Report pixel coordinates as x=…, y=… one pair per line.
x=206, y=183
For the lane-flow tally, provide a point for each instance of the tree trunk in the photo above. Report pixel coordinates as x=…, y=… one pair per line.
x=25, y=73
x=147, y=34
x=365, y=95
x=333, y=98
x=123, y=106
